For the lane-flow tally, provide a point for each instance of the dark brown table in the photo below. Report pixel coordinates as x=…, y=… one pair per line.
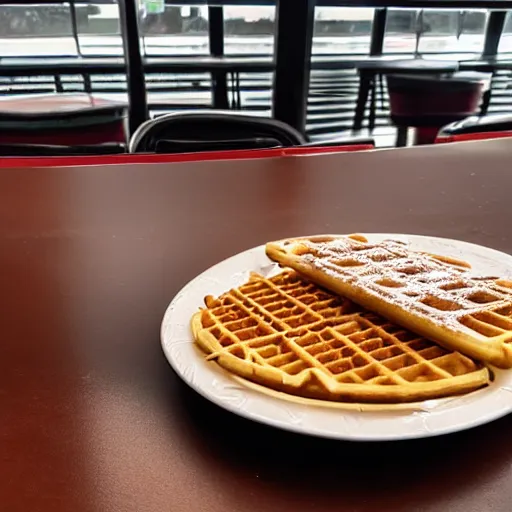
x=92, y=418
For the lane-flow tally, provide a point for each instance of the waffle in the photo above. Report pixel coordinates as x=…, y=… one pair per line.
x=435, y=296
x=290, y=335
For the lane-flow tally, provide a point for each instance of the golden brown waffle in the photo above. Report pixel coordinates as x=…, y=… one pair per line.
x=290, y=335
x=435, y=296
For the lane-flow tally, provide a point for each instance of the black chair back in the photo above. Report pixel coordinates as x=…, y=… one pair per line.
x=211, y=131
x=193, y=146
x=476, y=124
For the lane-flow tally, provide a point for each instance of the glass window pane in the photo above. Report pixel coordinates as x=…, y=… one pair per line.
x=400, y=33
x=342, y=30
x=505, y=45
x=99, y=31
x=36, y=30
x=430, y=31
x=249, y=30
x=446, y=31
x=179, y=30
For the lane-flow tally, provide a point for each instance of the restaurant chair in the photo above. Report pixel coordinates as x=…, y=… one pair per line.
x=212, y=130
x=477, y=128
x=169, y=146
x=429, y=103
x=344, y=141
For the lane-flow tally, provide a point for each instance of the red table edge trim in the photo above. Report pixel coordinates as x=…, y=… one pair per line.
x=441, y=139
x=70, y=161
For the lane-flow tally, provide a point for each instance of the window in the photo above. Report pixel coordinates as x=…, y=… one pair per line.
x=36, y=30
x=452, y=31
x=99, y=30
x=401, y=29
x=342, y=31
x=249, y=30
x=505, y=45
x=429, y=31
x=179, y=30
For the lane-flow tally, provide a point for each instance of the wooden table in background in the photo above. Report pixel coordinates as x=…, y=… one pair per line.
x=92, y=418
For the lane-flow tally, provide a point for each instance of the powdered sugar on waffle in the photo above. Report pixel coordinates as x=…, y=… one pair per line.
x=416, y=282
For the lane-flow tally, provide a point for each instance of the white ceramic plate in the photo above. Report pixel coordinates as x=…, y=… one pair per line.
x=429, y=418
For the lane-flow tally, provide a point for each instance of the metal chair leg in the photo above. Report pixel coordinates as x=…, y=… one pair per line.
x=486, y=99
x=373, y=106
x=381, y=83
x=362, y=98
